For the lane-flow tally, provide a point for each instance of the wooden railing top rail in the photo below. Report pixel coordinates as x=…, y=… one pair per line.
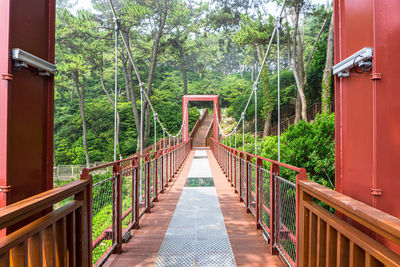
x=15, y=238
x=209, y=129
x=378, y=221
x=109, y=164
x=25, y=208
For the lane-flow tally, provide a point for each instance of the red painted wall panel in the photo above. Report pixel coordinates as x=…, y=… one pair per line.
x=26, y=102
x=4, y=69
x=367, y=110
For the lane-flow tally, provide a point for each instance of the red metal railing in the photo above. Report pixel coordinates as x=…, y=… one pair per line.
x=268, y=196
x=118, y=201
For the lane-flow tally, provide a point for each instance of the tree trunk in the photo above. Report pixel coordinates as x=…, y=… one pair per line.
x=300, y=89
x=267, y=123
x=124, y=71
x=153, y=63
x=297, y=117
x=297, y=66
x=81, y=97
x=326, y=77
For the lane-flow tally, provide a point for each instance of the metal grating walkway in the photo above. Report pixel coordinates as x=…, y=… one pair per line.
x=197, y=235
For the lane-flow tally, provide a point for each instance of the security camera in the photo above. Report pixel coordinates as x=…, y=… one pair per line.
x=22, y=58
x=361, y=59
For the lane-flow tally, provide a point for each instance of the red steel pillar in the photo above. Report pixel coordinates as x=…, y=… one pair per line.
x=26, y=100
x=367, y=105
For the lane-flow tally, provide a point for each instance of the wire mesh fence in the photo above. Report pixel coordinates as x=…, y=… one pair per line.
x=243, y=180
x=252, y=187
x=102, y=212
x=237, y=173
x=265, y=200
x=285, y=214
x=127, y=193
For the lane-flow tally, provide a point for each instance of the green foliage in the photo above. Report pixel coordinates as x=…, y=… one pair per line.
x=254, y=31
x=307, y=145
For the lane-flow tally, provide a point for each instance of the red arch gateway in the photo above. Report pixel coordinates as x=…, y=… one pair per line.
x=185, y=112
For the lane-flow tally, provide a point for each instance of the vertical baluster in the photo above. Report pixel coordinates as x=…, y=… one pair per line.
x=241, y=177
x=47, y=246
x=248, y=192
x=236, y=174
x=162, y=158
x=61, y=242
x=84, y=222
x=274, y=170
x=147, y=180
x=71, y=240
x=117, y=207
x=258, y=190
x=135, y=191
x=156, y=156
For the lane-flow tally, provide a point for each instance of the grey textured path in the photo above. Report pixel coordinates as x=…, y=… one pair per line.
x=197, y=235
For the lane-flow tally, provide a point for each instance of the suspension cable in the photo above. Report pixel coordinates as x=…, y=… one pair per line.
x=243, y=130
x=279, y=86
x=255, y=119
x=235, y=138
x=155, y=131
x=128, y=50
x=260, y=71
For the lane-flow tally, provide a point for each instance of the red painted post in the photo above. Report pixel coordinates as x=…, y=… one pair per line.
x=162, y=156
x=301, y=176
x=241, y=156
x=86, y=198
x=274, y=170
x=147, y=180
x=228, y=165
x=171, y=173
x=235, y=184
x=135, y=193
x=248, y=160
x=156, y=177
x=259, y=185
x=117, y=207
x=166, y=151
x=232, y=166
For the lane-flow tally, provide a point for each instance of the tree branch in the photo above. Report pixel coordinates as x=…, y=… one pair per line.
x=315, y=44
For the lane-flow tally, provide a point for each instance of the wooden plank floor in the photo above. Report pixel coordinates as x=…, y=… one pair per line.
x=248, y=245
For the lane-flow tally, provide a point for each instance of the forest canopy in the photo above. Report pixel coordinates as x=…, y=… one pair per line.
x=181, y=47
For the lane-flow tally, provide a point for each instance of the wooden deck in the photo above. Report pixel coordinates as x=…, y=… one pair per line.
x=248, y=245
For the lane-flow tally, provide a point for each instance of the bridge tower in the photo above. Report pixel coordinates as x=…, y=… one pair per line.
x=199, y=98
x=367, y=103
x=26, y=100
